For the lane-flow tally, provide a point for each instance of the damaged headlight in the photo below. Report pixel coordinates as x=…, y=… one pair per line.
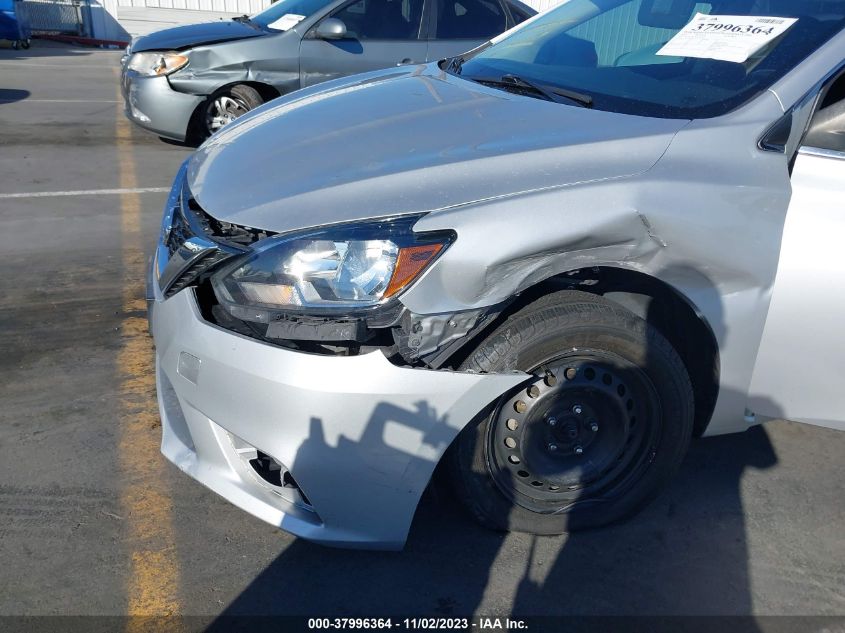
x=152, y=64
x=341, y=269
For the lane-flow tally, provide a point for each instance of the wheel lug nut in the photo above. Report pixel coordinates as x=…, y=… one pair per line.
x=570, y=373
x=552, y=447
x=594, y=426
x=550, y=379
x=533, y=391
x=552, y=421
x=578, y=450
x=520, y=406
x=577, y=409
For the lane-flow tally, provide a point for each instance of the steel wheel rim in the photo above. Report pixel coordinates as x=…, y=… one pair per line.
x=581, y=431
x=223, y=110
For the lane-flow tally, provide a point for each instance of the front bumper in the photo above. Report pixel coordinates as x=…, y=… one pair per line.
x=151, y=103
x=360, y=436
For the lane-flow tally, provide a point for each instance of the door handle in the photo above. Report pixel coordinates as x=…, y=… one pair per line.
x=406, y=61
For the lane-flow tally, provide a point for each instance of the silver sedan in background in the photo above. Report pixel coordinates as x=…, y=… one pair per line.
x=544, y=266
x=187, y=82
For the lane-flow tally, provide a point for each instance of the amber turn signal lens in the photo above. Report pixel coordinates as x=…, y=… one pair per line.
x=411, y=262
x=169, y=63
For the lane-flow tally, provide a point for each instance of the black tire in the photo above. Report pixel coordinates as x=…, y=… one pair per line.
x=226, y=105
x=25, y=44
x=589, y=356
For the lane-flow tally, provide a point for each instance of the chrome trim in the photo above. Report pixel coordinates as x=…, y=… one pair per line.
x=821, y=152
x=173, y=202
x=168, y=268
x=191, y=251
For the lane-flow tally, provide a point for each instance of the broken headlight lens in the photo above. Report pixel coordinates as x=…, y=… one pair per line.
x=155, y=64
x=340, y=269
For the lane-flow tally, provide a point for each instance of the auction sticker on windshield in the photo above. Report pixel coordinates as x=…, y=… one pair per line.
x=287, y=21
x=730, y=38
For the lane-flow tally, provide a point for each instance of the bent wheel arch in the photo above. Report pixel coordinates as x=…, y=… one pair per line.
x=651, y=298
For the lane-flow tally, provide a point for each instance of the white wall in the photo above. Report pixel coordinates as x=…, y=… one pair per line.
x=221, y=6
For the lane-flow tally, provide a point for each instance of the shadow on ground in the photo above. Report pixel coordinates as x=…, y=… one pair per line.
x=10, y=95
x=686, y=554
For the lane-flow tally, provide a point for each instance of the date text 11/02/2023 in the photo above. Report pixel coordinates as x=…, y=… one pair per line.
x=422, y=623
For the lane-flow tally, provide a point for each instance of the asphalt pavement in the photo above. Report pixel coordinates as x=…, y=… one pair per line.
x=93, y=521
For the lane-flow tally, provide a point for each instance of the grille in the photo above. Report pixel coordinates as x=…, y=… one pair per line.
x=190, y=275
x=190, y=220
x=181, y=230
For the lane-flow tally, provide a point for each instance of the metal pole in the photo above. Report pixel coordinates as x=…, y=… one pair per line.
x=87, y=21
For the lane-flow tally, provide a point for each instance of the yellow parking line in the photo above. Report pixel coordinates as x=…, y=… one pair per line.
x=153, y=585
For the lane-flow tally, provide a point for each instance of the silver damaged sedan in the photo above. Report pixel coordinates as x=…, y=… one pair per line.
x=543, y=266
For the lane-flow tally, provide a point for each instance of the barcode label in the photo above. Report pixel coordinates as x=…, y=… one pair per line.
x=729, y=38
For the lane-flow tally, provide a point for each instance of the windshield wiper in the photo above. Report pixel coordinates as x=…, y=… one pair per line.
x=245, y=19
x=550, y=93
x=454, y=64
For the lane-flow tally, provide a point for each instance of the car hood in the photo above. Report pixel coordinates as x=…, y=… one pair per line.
x=181, y=37
x=408, y=141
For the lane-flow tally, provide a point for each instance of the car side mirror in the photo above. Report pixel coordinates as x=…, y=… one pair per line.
x=330, y=29
x=827, y=128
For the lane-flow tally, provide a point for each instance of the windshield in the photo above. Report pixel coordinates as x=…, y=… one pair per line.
x=285, y=14
x=661, y=58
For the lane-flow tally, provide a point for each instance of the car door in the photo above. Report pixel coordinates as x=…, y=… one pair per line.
x=379, y=34
x=461, y=25
x=801, y=362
